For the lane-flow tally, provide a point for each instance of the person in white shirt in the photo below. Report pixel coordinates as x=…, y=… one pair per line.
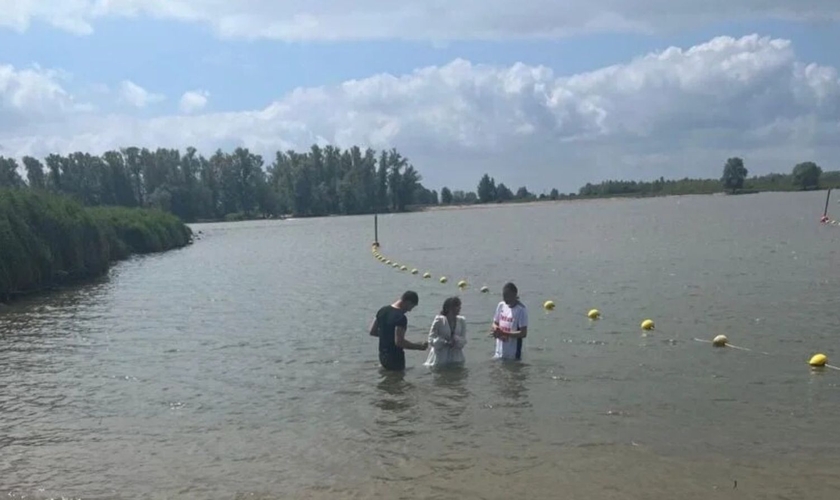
x=448, y=335
x=510, y=324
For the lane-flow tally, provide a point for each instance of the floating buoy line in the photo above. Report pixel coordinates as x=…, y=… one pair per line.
x=817, y=362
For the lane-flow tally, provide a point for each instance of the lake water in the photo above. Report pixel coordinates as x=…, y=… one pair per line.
x=241, y=367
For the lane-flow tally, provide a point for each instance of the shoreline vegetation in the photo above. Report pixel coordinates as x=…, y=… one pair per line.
x=326, y=181
x=49, y=240
x=74, y=215
x=734, y=181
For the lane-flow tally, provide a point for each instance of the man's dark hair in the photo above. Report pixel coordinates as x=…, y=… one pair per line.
x=410, y=296
x=510, y=287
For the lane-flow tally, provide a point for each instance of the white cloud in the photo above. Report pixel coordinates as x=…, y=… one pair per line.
x=415, y=19
x=136, y=95
x=29, y=96
x=673, y=113
x=193, y=100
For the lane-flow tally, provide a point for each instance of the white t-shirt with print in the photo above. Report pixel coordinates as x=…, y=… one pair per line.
x=510, y=319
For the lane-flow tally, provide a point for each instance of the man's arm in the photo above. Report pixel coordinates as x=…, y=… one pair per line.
x=374, y=328
x=495, y=331
x=400, y=341
x=520, y=334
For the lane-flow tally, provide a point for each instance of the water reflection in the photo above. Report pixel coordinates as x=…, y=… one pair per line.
x=453, y=378
x=392, y=389
x=509, y=379
x=396, y=399
x=450, y=395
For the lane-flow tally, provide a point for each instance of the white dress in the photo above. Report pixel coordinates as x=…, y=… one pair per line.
x=443, y=352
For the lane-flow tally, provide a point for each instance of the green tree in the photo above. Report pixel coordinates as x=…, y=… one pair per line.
x=487, y=189
x=554, y=194
x=35, y=173
x=9, y=176
x=806, y=175
x=523, y=194
x=503, y=193
x=445, y=196
x=734, y=174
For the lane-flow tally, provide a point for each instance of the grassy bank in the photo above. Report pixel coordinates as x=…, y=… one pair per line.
x=48, y=240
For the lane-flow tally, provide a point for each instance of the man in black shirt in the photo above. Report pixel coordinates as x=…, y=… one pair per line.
x=390, y=325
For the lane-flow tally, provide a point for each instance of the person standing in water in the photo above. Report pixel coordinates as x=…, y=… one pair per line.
x=389, y=325
x=448, y=335
x=510, y=324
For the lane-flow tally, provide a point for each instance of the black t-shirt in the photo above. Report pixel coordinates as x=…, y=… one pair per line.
x=388, y=319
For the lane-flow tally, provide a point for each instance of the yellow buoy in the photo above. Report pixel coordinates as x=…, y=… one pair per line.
x=443, y=279
x=414, y=271
x=548, y=305
x=484, y=289
x=818, y=360
x=388, y=262
x=403, y=268
x=462, y=284
x=594, y=314
x=395, y=265
x=720, y=341
x=647, y=324
x=427, y=275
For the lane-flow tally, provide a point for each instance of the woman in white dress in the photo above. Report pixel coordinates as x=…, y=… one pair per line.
x=448, y=335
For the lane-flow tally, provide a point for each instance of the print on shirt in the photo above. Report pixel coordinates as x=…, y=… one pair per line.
x=510, y=319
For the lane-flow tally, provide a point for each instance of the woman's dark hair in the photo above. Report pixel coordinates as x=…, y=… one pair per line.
x=449, y=304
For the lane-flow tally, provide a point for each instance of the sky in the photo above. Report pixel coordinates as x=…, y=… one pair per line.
x=541, y=93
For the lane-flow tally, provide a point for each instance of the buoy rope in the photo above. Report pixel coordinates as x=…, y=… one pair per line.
x=727, y=344
x=594, y=314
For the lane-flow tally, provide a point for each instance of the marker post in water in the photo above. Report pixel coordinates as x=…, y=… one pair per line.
x=825, y=219
x=827, y=197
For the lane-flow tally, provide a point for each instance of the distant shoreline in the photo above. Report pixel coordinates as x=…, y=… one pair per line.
x=471, y=206
x=577, y=199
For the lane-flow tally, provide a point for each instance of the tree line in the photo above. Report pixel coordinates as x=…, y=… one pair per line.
x=321, y=181
x=488, y=191
x=804, y=176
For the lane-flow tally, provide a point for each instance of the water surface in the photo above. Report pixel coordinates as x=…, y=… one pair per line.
x=240, y=367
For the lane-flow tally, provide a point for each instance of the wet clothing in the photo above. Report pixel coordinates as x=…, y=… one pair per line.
x=447, y=341
x=510, y=319
x=391, y=356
